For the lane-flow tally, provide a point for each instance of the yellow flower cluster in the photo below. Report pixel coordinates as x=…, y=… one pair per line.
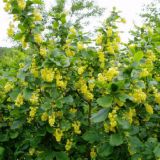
x=81, y=70
x=58, y=134
x=72, y=30
x=47, y=74
x=8, y=87
x=76, y=125
x=34, y=98
x=43, y=51
x=68, y=145
x=111, y=73
x=91, y=84
x=69, y=52
x=157, y=98
x=37, y=15
x=7, y=6
x=109, y=31
x=106, y=127
x=112, y=118
x=21, y=4
x=59, y=82
x=101, y=57
x=32, y=112
x=80, y=46
x=34, y=69
x=19, y=100
x=51, y=119
x=139, y=96
x=130, y=114
x=38, y=38
x=99, y=39
x=150, y=55
x=144, y=73
x=93, y=153
x=44, y=116
x=108, y=75
x=31, y=151
x=83, y=88
x=10, y=30
x=23, y=42
x=149, y=108
x=73, y=110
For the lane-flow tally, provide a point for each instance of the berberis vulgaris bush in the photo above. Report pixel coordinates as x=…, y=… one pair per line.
x=77, y=98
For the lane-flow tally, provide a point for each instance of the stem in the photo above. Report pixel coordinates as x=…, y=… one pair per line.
x=89, y=113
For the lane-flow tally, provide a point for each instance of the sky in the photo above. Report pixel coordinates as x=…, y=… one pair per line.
x=130, y=11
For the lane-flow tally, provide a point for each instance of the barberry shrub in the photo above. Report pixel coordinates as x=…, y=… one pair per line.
x=77, y=97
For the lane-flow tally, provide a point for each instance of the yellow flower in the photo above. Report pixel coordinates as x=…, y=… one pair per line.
x=10, y=30
x=51, y=119
x=61, y=83
x=99, y=39
x=58, y=134
x=80, y=46
x=130, y=114
x=93, y=153
x=109, y=31
x=144, y=73
x=19, y=100
x=89, y=96
x=44, y=116
x=112, y=118
x=110, y=49
x=32, y=112
x=68, y=145
x=101, y=78
x=34, y=98
x=81, y=70
x=157, y=98
x=101, y=56
x=31, y=151
x=149, y=108
x=150, y=55
x=123, y=20
x=72, y=30
x=8, y=87
x=37, y=15
x=7, y=6
x=111, y=73
x=106, y=127
x=47, y=74
x=21, y=4
x=139, y=96
x=76, y=126
x=38, y=38
x=69, y=52
x=73, y=110
x=43, y=51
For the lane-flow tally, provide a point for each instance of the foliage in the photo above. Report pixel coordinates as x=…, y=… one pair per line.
x=75, y=100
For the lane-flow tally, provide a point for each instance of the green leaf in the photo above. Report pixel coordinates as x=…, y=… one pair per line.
x=27, y=93
x=157, y=151
x=116, y=139
x=1, y=152
x=68, y=100
x=138, y=56
x=16, y=124
x=91, y=136
x=99, y=116
x=105, y=101
x=62, y=156
x=124, y=124
x=105, y=150
x=13, y=135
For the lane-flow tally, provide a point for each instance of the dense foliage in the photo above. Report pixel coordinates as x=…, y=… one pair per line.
x=76, y=97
